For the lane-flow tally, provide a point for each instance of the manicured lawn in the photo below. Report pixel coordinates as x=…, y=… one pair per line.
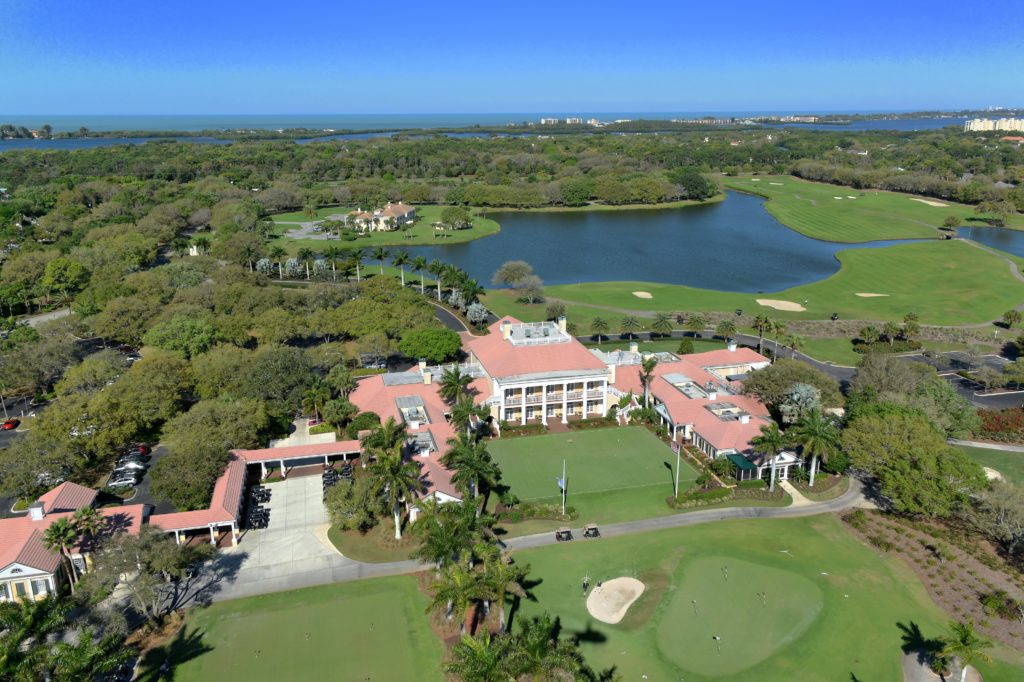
x=831, y=611
x=939, y=280
x=421, y=233
x=371, y=629
x=614, y=474
x=658, y=345
x=1009, y=464
x=813, y=209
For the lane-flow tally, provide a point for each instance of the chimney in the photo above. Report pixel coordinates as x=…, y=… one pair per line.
x=712, y=395
x=634, y=347
x=611, y=373
x=561, y=323
x=731, y=345
x=427, y=377
x=36, y=511
x=744, y=419
x=423, y=365
x=414, y=424
x=506, y=329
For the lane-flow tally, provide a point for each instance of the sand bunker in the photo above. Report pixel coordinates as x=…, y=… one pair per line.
x=610, y=601
x=642, y=294
x=775, y=183
x=781, y=305
x=992, y=474
x=867, y=295
x=929, y=202
x=755, y=179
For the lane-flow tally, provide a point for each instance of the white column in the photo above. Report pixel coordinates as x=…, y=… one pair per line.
x=177, y=538
x=234, y=534
x=604, y=387
x=213, y=537
x=522, y=417
x=565, y=402
x=263, y=471
x=282, y=469
x=544, y=404
x=50, y=583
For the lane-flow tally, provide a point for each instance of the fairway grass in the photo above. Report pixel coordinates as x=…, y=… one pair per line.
x=422, y=232
x=614, y=474
x=813, y=209
x=1009, y=464
x=371, y=629
x=944, y=282
x=832, y=604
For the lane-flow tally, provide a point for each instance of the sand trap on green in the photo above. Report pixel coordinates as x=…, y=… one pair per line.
x=731, y=608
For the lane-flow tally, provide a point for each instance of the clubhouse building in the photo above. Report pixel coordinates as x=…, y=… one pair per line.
x=390, y=217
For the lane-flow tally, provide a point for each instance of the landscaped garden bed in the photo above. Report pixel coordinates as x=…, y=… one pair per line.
x=826, y=487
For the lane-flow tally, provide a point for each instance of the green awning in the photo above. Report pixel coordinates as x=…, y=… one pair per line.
x=741, y=462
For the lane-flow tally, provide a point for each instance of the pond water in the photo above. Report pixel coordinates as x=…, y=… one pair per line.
x=734, y=245
x=1010, y=241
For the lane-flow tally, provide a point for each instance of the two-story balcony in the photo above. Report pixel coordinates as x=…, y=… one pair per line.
x=595, y=393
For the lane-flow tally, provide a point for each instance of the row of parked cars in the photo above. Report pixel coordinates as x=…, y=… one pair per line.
x=131, y=466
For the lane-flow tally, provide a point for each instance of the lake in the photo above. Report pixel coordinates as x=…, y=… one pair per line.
x=734, y=245
x=1010, y=241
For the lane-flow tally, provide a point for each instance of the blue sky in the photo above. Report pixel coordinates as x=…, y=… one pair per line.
x=225, y=56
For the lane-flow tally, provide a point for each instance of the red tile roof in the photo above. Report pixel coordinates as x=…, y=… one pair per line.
x=68, y=496
x=298, y=451
x=501, y=359
x=224, y=503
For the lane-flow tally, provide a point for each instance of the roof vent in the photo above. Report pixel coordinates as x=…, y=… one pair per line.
x=36, y=511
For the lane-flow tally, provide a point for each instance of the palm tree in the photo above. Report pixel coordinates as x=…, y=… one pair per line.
x=386, y=438
x=400, y=259
x=503, y=577
x=451, y=275
x=778, y=329
x=726, y=328
x=276, y=253
x=26, y=624
x=453, y=383
x=341, y=380
x=696, y=323
x=457, y=589
x=357, y=254
x=770, y=443
x=647, y=376
x=419, y=265
x=471, y=290
x=395, y=480
x=817, y=436
x=304, y=255
x=442, y=537
x=89, y=658
x=436, y=268
x=333, y=253
x=481, y=659
x=796, y=342
x=762, y=323
x=629, y=325
x=464, y=410
x=599, y=326
x=541, y=654
x=662, y=324
x=202, y=244
x=381, y=254
x=964, y=643
x=89, y=523
x=315, y=397
x=474, y=469
x=60, y=537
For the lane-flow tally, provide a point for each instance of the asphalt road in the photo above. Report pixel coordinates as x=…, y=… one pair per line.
x=143, y=495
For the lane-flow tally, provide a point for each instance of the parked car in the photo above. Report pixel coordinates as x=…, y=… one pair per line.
x=138, y=448
x=134, y=455
x=10, y=424
x=136, y=466
x=123, y=482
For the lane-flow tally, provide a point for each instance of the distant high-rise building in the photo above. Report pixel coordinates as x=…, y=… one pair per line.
x=549, y=121
x=574, y=121
x=981, y=125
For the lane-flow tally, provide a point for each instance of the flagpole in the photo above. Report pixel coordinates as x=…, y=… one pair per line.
x=678, y=453
x=564, y=484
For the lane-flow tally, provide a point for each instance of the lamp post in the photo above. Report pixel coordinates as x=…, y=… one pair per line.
x=718, y=644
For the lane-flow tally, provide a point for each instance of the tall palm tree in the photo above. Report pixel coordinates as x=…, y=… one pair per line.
x=451, y=275
x=696, y=323
x=381, y=254
x=453, y=384
x=436, y=268
x=464, y=410
x=542, y=654
x=357, y=255
x=276, y=253
x=314, y=398
x=796, y=342
x=386, y=438
x=473, y=466
x=89, y=523
x=400, y=259
x=304, y=255
x=770, y=443
x=726, y=328
x=442, y=537
x=24, y=651
x=964, y=643
x=762, y=323
x=647, y=366
x=396, y=480
x=504, y=577
x=629, y=325
x=202, y=244
x=60, y=537
x=333, y=253
x=662, y=324
x=471, y=289
x=817, y=436
x=481, y=659
x=419, y=266
x=457, y=590
x=599, y=326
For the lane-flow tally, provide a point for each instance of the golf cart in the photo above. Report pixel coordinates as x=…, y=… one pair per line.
x=591, y=531
x=563, y=535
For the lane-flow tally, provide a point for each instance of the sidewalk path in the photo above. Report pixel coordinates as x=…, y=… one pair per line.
x=988, y=446
x=324, y=570
x=798, y=499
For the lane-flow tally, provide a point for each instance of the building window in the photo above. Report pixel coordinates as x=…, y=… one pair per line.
x=5, y=592
x=40, y=588
x=19, y=589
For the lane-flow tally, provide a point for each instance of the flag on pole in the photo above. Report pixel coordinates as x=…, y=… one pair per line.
x=561, y=482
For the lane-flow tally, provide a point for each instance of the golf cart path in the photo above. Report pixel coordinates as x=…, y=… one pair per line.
x=1006, y=447
x=248, y=582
